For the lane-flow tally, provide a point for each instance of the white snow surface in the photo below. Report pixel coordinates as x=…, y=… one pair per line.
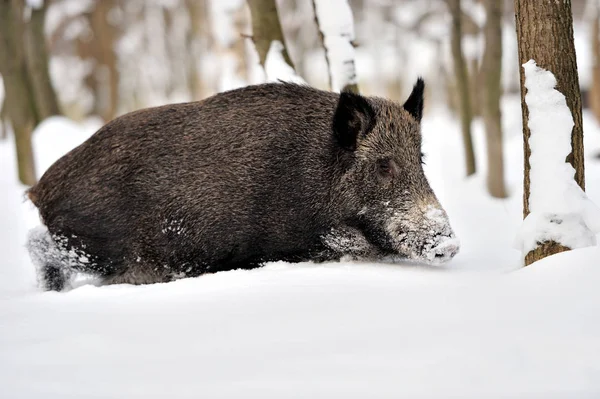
x=277, y=69
x=337, y=26
x=479, y=327
x=560, y=209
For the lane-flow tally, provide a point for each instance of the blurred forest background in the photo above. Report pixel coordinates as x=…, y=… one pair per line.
x=103, y=58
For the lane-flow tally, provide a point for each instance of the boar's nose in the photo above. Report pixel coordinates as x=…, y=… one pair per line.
x=446, y=248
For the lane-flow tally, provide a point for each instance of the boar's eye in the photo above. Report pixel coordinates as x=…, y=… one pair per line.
x=386, y=168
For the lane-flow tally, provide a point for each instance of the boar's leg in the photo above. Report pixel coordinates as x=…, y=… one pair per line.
x=53, y=277
x=58, y=254
x=53, y=273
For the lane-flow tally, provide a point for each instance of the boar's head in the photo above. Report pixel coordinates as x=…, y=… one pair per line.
x=383, y=190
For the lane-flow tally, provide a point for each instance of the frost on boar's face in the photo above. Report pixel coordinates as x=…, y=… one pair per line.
x=384, y=188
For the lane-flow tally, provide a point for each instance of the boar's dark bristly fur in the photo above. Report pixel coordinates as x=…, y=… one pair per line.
x=263, y=173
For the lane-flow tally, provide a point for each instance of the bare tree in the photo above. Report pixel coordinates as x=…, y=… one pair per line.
x=462, y=84
x=3, y=120
x=595, y=41
x=491, y=70
x=19, y=102
x=99, y=47
x=198, y=42
x=266, y=29
x=545, y=34
x=36, y=53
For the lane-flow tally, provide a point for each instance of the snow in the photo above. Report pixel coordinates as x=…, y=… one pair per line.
x=560, y=209
x=337, y=26
x=478, y=327
x=277, y=69
x=344, y=331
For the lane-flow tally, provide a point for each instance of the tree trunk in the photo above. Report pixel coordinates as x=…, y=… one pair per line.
x=37, y=64
x=342, y=70
x=545, y=34
x=462, y=84
x=266, y=29
x=3, y=120
x=545, y=249
x=322, y=40
x=103, y=80
x=475, y=82
x=196, y=42
x=492, y=91
x=19, y=102
x=595, y=88
x=239, y=48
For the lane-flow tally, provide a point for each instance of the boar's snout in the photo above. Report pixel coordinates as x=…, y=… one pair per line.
x=446, y=248
x=426, y=236
x=440, y=242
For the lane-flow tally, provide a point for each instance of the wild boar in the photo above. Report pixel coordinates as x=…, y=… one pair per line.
x=273, y=172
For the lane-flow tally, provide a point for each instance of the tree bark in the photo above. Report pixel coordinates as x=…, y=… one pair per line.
x=107, y=37
x=545, y=34
x=19, y=102
x=3, y=120
x=37, y=64
x=595, y=88
x=197, y=43
x=266, y=29
x=492, y=91
x=239, y=48
x=103, y=80
x=462, y=84
x=545, y=249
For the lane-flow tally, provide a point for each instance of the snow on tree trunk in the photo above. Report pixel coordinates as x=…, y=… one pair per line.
x=334, y=18
x=560, y=211
x=277, y=68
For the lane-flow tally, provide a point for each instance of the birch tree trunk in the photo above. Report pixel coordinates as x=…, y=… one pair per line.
x=336, y=28
x=19, y=101
x=492, y=91
x=462, y=84
x=266, y=29
x=545, y=34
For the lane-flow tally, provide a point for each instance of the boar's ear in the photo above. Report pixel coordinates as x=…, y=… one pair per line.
x=414, y=104
x=353, y=119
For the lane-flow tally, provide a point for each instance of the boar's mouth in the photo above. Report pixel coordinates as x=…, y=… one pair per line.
x=376, y=237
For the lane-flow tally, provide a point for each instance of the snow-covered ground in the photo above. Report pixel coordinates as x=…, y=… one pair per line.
x=479, y=327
